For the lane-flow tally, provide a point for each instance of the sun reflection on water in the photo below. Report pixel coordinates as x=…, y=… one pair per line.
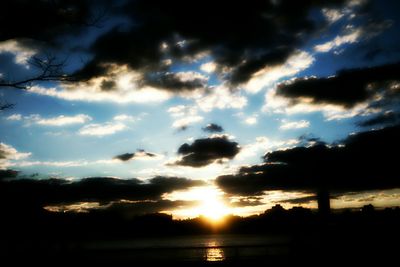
x=214, y=252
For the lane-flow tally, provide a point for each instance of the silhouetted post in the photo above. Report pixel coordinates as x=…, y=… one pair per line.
x=324, y=206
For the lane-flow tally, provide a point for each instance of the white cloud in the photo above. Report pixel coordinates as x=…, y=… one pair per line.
x=177, y=111
x=257, y=148
x=354, y=3
x=183, y=122
x=247, y=119
x=188, y=76
x=332, y=15
x=196, y=57
x=184, y=115
x=352, y=34
x=262, y=145
x=352, y=37
x=144, y=155
x=61, y=120
x=124, y=117
x=64, y=164
x=107, y=128
x=64, y=120
x=167, y=62
x=251, y=120
x=93, y=94
x=21, y=52
x=280, y=104
x=121, y=85
x=182, y=110
x=348, y=12
x=269, y=75
x=14, y=117
x=361, y=109
x=9, y=153
x=208, y=67
x=50, y=163
x=78, y=207
x=287, y=125
x=221, y=97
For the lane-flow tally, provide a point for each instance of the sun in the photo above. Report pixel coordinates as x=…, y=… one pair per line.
x=209, y=199
x=212, y=206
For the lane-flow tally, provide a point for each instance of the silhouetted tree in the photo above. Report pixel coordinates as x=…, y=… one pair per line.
x=50, y=69
x=43, y=22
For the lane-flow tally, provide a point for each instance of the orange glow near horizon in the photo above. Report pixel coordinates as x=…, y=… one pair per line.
x=210, y=203
x=212, y=207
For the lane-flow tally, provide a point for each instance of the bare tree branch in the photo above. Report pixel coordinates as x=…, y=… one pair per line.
x=5, y=105
x=98, y=17
x=50, y=69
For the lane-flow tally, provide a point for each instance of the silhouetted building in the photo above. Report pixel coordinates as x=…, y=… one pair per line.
x=368, y=209
x=323, y=198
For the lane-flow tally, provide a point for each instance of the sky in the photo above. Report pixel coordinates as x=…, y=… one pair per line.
x=208, y=108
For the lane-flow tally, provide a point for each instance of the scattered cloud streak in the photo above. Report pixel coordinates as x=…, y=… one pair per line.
x=288, y=125
x=96, y=129
x=64, y=120
x=58, y=121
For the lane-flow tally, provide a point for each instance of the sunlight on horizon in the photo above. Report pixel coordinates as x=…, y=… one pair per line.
x=210, y=203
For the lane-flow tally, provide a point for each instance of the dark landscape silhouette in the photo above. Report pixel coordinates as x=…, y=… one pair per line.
x=197, y=133
x=109, y=237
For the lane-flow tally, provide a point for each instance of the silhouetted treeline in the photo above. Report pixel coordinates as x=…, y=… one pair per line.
x=354, y=236
x=104, y=224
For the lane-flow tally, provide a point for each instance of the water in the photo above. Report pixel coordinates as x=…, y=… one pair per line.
x=197, y=248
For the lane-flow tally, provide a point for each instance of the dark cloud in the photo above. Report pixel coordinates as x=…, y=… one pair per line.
x=125, y=157
x=364, y=161
x=41, y=20
x=107, y=85
x=139, y=154
x=169, y=30
x=310, y=139
x=213, y=128
x=30, y=192
x=205, y=151
x=347, y=88
x=49, y=30
x=42, y=23
x=147, y=207
x=388, y=117
x=182, y=128
x=128, y=209
x=247, y=201
x=175, y=82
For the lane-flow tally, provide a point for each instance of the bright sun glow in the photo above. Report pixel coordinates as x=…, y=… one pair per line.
x=212, y=207
x=211, y=204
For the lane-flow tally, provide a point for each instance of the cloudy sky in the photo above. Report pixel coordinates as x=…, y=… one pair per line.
x=214, y=107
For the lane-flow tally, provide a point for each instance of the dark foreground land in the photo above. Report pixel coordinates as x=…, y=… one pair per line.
x=276, y=238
